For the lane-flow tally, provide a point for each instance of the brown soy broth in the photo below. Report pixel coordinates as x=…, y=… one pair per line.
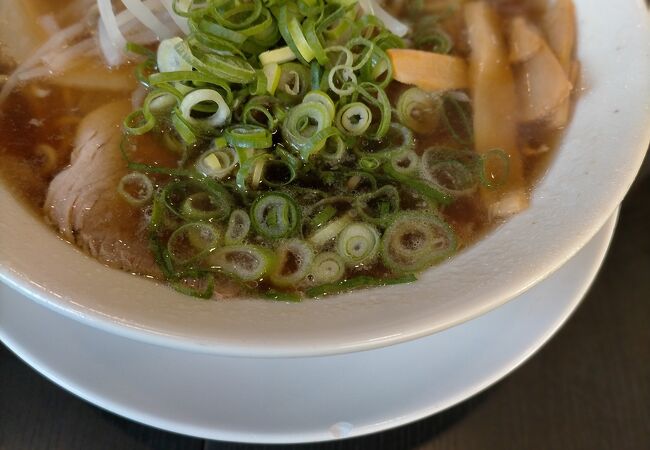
x=43, y=114
x=37, y=115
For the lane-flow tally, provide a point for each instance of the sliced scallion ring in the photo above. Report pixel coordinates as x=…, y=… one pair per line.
x=342, y=55
x=277, y=56
x=200, y=206
x=238, y=227
x=217, y=162
x=342, y=80
x=450, y=176
x=278, y=172
x=246, y=262
x=419, y=110
x=358, y=244
x=405, y=162
x=326, y=233
x=354, y=119
x=248, y=136
x=328, y=267
x=192, y=242
x=218, y=119
x=415, y=240
x=168, y=59
x=302, y=126
x=197, y=199
x=293, y=261
x=451, y=171
x=274, y=215
x=334, y=150
x=295, y=82
x=136, y=188
x=322, y=98
x=272, y=72
x=380, y=206
x=298, y=37
x=375, y=96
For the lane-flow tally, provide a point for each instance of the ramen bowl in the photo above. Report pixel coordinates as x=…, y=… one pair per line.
x=590, y=174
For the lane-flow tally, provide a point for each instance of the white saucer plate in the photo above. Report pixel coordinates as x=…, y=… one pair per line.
x=286, y=400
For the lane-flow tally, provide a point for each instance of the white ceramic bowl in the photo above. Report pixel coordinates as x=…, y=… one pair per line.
x=595, y=166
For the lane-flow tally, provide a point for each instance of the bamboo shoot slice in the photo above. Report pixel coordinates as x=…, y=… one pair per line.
x=559, y=24
x=427, y=70
x=524, y=41
x=542, y=83
x=495, y=105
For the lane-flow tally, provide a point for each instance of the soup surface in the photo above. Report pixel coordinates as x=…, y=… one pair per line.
x=285, y=149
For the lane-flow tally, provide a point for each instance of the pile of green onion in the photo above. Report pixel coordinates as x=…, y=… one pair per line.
x=297, y=175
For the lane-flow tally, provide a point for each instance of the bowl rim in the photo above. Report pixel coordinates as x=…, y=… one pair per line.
x=639, y=128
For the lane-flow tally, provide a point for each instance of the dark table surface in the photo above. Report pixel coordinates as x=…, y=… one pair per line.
x=588, y=388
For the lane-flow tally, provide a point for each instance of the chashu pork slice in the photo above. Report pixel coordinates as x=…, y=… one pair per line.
x=83, y=203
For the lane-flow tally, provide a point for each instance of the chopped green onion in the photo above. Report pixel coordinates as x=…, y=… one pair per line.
x=279, y=172
x=341, y=52
x=358, y=244
x=363, y=56
x=369, y=163
x=322, y=98
x=199, y=285
x=380, y=206
x=136, y=188
x=192, y=242
x=315, y=44
x=277, y=56
x=200, y=206
x=328, y=267
x=295, y=82
x=274, y=215
x=431, y=193
x=251, y=168
x=354, y=119
x=416, y=240
x=376, y=97
x=217, y=162
x=419, y=110
x=323, y=216
x=238, y=227
x=334, y=150
x=245, y=262
x=342, y=80
x=451, y=176
x=168, y=59
x=229, y=67
x=279, y=296
x=357, y=283
x=306, y=128
x=293, y=260
x=272, y=72
x=197, y=199
x=236, y=16
x=218, y=119
x=405, y=162
x=398, y=139
x=327, y=233
x=281, y=108
x=289, y=28
x=458, y=120
x=436, y=41
x=248, y=136
x=299, y=40
x=264, y=111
